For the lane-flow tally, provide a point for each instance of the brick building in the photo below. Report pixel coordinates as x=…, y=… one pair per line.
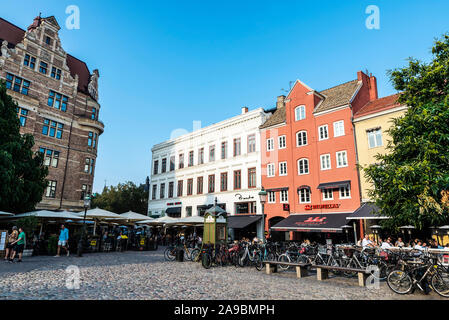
x=58, y=104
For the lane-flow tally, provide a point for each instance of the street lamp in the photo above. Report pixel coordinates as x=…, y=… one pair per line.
x=263, y=199
x=80, y=243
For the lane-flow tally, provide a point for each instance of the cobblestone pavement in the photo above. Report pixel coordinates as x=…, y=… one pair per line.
x=145, y=275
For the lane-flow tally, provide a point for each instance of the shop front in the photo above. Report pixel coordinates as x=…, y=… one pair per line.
x=245, y=226
x=319, y=228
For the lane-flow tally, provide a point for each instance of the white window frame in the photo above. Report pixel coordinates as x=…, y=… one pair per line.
x=283, y=199
x=326, y=191
x=337, y=125
x=302, y=113
x=344, y=196
x=321, y=161
x=297, y=138
x=271, y=197
x=319, y=132
x=284, y=144
x=280, y=169
x=345, y=153
x=300, y=195
x=299, y=167
x=374, y=133
x=271, y=165
x=270, y=141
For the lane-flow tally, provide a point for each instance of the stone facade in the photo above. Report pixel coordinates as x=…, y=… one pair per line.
x=58, y=104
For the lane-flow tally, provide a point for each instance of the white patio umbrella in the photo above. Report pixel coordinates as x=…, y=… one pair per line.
x=133, y=216
x=149, y=220
x=98, y=214
x=2, y=213
x=196, y=220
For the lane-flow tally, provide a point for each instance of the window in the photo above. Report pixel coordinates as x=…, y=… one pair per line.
x=224, y=150
x=189, y=187
x=171, y=187
x=282, y=142
x=325, y=161
x=328, y=194
x=224, y=181
x=339, y=128
x=154, y=192
x=301, y=138
x=17, y=84
x=57, y=100
x=156, y=167
x=85, y=190
x=300, y=113
x=211, y=188
x=188, y=211
x=51, y=189
x=345, y=192
x=89, y=166
x=51, y=157
x=94, y=115
x=270, y=144
x=180, y=188
x=211, y=153
x=162, y=193
x=323, y=132
x=284, y=196
x=164, y=165
x=172, y=163
x=245, y=208
x=191, y=155
x=23, y=116
x=199, y=187
x=92, y=140
x=304, y=195
x=252, y=178
x=48, y=40
x=181, y=161
x=303, y=166
x=283, y=169
x=29, y=61
x=201, y=156
x=43, y=67
x=237, y=147
x=55, y=73
x=251, y=143
x=342, y=159
x=237, y=180
x=52, y=129
x=271, y=170
x=375, y=138
x=271, y=197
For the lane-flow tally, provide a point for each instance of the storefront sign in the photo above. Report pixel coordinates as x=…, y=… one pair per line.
x=3, y=240
x=312, y=221
x=322, y=206
x=240, y=197
x=174, y=204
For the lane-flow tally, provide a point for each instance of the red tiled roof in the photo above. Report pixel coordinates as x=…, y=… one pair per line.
x=14, y=35
x=378, y=105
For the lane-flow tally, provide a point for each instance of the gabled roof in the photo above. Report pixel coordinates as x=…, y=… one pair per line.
x=378, y=105
x=278, y=117
x=15, y=35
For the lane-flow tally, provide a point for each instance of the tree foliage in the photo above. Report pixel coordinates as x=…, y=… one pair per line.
x=123, y=198
x=411, y=182
x=22, y=173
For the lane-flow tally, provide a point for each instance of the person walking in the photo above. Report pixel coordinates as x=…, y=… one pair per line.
x=10, y=246
x=19, y=246
x=63, y=241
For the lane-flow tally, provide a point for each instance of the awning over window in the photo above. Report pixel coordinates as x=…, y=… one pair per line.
x=366, y=211
x=334, y=185
x=173, y=210
x=240, y=222
x=313, y=223
x=277, y=189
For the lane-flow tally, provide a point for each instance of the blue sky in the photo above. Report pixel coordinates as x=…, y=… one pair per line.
x=165, y=64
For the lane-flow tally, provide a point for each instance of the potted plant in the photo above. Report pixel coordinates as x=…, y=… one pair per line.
x=29, y=225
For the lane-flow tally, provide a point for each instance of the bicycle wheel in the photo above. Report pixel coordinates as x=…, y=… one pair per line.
x=258, y=262
x=206, y=261
x=383, y=271
x=271, y=257
x=399, y=281
x=284, y=258
x=194, y=254
x=170, y=254
x=440, y=283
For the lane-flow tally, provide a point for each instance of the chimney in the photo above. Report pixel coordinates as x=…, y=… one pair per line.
x=280, y=102
x=244, y=110
x=373, y=94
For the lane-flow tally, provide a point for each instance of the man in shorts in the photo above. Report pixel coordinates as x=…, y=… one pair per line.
x=19, y=246
x=63, y=241
x=10, y=246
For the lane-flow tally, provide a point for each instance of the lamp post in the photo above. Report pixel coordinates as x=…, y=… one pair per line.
x=80, y=243
x=263, y=199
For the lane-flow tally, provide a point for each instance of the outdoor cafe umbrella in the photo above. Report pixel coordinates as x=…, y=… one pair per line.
x=133, y=216
x=98, y=214
x=2, y=213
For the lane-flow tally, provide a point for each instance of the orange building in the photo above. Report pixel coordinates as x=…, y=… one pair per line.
x=309, y=159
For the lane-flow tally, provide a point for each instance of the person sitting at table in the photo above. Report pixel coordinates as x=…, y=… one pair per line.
x=367, y=242
x=399, y=243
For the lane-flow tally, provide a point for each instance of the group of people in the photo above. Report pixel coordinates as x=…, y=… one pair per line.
x=16, y=245
x=418, y=244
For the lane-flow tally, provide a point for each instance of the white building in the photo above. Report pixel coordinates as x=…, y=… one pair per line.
x=222, y=162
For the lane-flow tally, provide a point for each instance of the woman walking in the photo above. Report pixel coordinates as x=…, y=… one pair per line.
x=11, y=245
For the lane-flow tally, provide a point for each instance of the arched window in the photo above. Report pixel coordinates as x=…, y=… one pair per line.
x=301, y=138
x=300, y=113
x=303, y=166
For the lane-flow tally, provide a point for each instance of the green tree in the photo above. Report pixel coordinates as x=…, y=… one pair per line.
x=123, y=198
x=22, y=173
x=411, y=181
